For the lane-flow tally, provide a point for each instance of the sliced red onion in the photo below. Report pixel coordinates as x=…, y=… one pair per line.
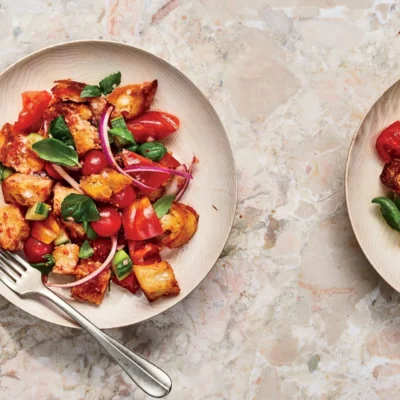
x=87, y=278
x=185, y=186
x=175, y=186
x=67, y=177
x=105, y=144
x=150, y=168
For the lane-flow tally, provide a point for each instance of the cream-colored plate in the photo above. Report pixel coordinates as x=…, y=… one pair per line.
x=212, y=193
x=379, y=242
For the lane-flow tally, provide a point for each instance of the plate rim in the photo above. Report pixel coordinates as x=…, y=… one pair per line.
x=66, y=322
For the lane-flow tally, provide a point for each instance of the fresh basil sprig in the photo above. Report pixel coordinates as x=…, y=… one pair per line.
x=106, y=86
x=163, y=205
x=45, y=267
x=59, y=130
x=80, y=208
x=86, y=250
x=55, y=151
x=91, y=234
x=389, y=211
x=155, y=151
x=120, y=133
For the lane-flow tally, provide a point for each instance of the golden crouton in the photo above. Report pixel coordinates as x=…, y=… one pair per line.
x=16, y=151
x=86, y=136
x=66, y=257
x=60, y=193
x=68, y=90
x=75, y=230
x=132, y=100
x=180, y=224
x=156, y=280
x=102, y=186
x=26, y=190
x=66, y=109
x=93, y=290
x=14, y=229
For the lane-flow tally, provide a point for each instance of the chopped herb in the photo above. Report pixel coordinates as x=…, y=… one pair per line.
x=86, y=250
x=55, y=151
x=45, y=267
x=108, y=84
x=80, y=208
x=91, y=91
x=162, y=205
x=59, y=130
x=153, y=150
x=91, y=234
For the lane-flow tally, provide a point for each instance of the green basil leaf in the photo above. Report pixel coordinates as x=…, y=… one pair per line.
x=108, y=84
x=153, y=150
x=45, y=267
x=91, y=234
x=134, y=148
x=59, y=130
x=118, y=123
x=123, y=134
x=389, y=211
x=86, y=250
x=80, y=208
x=55, y=151
x=91, y=91
x=162, y=205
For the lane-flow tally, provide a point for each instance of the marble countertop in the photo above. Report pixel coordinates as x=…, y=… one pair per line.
x=292, y=310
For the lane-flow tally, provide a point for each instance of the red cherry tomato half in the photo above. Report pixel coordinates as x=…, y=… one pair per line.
x=94, y=162
x=124, y=198
x=33, y=106
x=101, y=247
x=52, y=172
x=35, y=250
x=388, y=142
x=109, y=223
x=154, y=125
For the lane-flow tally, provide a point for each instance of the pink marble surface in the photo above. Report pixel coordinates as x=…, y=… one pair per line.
x=292, y=310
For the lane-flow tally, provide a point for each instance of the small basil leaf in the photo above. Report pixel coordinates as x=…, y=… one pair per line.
x=80, y=208
x=45, y=267
x=389, y=211
x=153, y=150
x=86, y=251
x=162, y=205
x=91, y=91
x=108, y=84
x=133, y=147
x=59, y=130
x=123, y=134
x=55, y=151
x=118, y=123
x=91, y=234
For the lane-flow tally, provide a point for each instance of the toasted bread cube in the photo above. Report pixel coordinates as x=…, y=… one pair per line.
x=68, y=90
x=156, y=280
x=14, y=229
x=132, y=100
x=66, y=257
x=86, y=136
x=16, y=151
x=102, y=186
x=92, y=291
x=60, y=193
x=26, y=190
x=75, y=230
x=97, y=105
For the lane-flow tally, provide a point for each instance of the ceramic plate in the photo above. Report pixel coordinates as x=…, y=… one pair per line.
x=212, y=193
x=380, y=243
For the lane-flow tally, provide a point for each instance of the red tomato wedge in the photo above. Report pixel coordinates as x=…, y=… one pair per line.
x=152, y=125
x=388, y=142
x=129, y=283
x=144, y=253
x=152, y=179
x=33, y=106
x=169, y=161
x=140, y=221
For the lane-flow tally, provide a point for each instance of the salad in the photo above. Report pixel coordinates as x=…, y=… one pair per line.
x=90, y=191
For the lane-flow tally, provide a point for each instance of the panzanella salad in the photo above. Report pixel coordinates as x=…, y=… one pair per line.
x=89, y=189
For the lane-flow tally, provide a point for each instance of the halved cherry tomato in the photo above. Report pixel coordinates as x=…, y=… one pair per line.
x=41, y=232
x=169, y=161
x=153, y=125
x=52, y=172
x=34, y=104
x=101, y=247
x=388, y=142
x=94, y=162
x=129, y=283
x=124, y=198
x=140, y=221
x=144, y=253
x=152, y=179
x=35, y=250
x=109, y=223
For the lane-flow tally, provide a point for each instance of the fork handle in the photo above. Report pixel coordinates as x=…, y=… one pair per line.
x=151, y=379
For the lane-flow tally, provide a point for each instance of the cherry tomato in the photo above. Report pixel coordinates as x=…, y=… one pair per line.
x=154, y=125
x=101, y=247
x=34, y=104
x=388, y=142
x=169, y=161
x=144, y=252
x=152, y=179
x=140, y=220
x=109, y=223
x=35, y=250
x=94, y=162
x=124, y=198
x=52, y=172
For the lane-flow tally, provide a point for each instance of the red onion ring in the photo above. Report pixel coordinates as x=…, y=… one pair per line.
x=150, y=168
x=67, y=177
x=185, y=186
x=87, y=278
x=175, y=186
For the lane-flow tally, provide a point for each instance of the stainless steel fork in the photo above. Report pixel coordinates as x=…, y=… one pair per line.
x=21, y=278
